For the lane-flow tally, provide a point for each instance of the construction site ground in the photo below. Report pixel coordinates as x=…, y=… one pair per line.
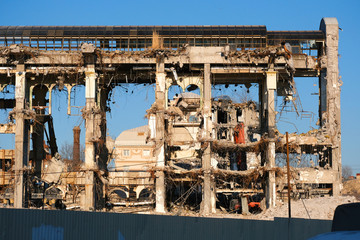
x=313, y=208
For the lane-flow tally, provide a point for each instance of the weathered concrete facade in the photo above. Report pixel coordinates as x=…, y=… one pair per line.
x=330, y=104
x=200, y=57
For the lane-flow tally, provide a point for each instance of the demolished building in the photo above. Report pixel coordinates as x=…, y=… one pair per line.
x=214, y=148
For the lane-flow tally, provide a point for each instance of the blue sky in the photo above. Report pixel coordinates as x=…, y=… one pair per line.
x=129, y=109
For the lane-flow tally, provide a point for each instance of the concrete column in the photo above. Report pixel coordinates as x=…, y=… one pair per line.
x=208, y=203
x=269, y=100
x=160, y=101
x=270, y=183
x=245, y=205
x=101, y=129
x=21, y=137
x=76, y=144
x=262, y=107
x=322, y=98
x=332, y=119
x=90, y=95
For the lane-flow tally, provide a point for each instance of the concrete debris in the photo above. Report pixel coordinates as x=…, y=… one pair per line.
x=270, y=52
x=315, y=208
x=53, y=169
x=352, y=188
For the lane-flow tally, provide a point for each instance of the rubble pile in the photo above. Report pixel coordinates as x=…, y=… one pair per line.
x=352, y=188
x=314, y=208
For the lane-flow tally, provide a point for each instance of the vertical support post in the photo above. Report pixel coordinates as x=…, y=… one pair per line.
x=262, y=106
x=244, y=205
x=101, y=129
x=69, y=87
x=208, y=201
x=90, y=95
x=160, y=136
x=322, y=98
x=76, y=144
x=269, y=99
x=38, y=144
x=50, y=98
x=332, y=121
x=288, y=173
x=21, y=137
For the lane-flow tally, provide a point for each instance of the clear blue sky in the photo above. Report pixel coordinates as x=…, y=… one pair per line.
x=129, y=109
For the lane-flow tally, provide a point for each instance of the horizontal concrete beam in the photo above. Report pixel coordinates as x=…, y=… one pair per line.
x=316, y=176
x=193, y=55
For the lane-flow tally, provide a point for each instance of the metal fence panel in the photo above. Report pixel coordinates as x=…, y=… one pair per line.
x=67, y=225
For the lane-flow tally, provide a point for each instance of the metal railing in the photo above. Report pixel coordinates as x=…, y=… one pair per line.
x=139, y=38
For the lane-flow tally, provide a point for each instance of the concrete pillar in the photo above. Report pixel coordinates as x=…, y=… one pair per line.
x=90, y=95
x=262, y=107
x=160, y=101
x=76, y=144
x=330, y=78
x=322, y=98
x=101, y=129
x=244, y=205
x=208, y=205
x=270, y=114
x=270, y=183
x=21, y=137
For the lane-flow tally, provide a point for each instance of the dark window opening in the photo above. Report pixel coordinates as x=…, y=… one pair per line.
x=222, y=116
x=238, y=114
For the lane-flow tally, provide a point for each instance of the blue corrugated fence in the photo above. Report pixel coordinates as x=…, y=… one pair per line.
x=67, y=225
